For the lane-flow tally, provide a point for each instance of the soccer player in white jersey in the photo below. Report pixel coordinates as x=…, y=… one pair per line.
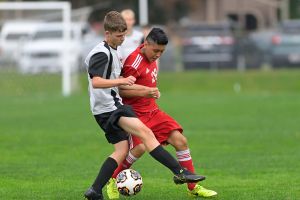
x=116, y=119
x=133, y=37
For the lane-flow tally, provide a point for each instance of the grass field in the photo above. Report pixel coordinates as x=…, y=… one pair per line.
x=243, y=131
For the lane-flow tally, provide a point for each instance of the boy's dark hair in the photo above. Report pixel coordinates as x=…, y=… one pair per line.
x=113, y=22
x=157, y=36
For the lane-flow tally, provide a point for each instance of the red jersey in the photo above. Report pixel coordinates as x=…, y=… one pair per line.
x=145, y=72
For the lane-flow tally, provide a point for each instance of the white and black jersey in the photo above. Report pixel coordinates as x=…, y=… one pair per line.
x=105, y=62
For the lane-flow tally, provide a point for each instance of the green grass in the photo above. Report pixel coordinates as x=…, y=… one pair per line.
x=246, y=141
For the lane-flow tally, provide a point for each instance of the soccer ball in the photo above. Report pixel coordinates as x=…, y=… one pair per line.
x=129, y=182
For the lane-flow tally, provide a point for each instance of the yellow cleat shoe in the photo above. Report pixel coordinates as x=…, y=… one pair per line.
x=112, y=190
x=200, y=191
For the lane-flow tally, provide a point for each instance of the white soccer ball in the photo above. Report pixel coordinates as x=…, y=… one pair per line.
x=129, y=182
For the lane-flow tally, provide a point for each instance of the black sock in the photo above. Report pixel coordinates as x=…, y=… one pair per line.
x=106, y=171
x=165, y=158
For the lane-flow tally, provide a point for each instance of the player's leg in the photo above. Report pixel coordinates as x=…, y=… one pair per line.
x=167, y=130
x=107, y=169
x=117, y=137
x=136, y=127
x=137, y=148
x=179, y=141
x=109, y=166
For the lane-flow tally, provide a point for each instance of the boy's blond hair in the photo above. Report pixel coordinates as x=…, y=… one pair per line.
x=114, y=22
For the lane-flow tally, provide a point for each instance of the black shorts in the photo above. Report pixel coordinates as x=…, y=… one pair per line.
x=109, y=123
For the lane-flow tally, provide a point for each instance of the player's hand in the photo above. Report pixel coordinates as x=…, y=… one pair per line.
x=153, y=93
x=130, y=80
x=157, y=95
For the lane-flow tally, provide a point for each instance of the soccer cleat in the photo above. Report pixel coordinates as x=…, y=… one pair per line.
x=200, y=191
x=91, y=194
x=112, y=190
x=186, y=176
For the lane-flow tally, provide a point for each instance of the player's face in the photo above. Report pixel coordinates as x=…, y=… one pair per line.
x=153, y=51
x=115, y=39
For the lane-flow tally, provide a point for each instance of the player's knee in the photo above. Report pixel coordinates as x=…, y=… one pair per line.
x=181, y=143
x=138, y=150
x=122, y=153
x=141, y=148
x=119, y=156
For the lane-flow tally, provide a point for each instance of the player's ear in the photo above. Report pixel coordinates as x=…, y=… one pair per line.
x=146, y=43
x=107, y=33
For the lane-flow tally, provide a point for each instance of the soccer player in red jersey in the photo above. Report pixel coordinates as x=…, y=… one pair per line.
x=142, y=65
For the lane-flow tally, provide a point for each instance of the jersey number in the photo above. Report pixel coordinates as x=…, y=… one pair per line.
x=154, y=75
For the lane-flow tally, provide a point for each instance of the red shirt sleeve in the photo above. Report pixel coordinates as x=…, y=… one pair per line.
x=129, y=71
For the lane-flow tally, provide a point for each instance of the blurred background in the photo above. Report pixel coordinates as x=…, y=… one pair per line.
x=229, y=76
x=54, y=38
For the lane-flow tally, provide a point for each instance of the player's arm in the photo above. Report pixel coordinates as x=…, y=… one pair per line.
x=99, y=82
x=96, y=72
x=143, y=91
x=132, y=87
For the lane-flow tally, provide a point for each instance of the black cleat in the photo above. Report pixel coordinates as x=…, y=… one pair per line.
x=186, y=176
x=91, y=194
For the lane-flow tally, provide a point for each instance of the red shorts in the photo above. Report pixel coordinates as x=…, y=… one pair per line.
x=161, y=125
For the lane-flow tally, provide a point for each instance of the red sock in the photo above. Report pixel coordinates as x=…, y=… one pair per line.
x=130, y=159
x=185, y=160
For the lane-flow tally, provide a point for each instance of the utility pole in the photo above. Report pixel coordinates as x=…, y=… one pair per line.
x=143, y=12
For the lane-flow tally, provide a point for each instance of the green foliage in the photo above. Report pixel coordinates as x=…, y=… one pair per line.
x=243, y=131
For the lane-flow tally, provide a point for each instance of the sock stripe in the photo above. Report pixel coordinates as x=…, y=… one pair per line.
x=184, y=159
x=130, y=158
x=183, y=152
x=183, y=155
